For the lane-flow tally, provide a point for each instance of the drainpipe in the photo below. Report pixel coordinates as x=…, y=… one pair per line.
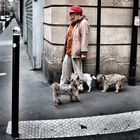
x=21, y=16
x=98, y=40
x=98, y=37
x=133, y=53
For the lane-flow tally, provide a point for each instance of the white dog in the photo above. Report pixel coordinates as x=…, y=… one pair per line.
x=87, y=78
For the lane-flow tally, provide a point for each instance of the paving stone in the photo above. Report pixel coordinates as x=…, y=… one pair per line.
x=74, y=127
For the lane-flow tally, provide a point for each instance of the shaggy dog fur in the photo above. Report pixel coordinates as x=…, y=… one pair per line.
x=111, y=81
x=66, y=89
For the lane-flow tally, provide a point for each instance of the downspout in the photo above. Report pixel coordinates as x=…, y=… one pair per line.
x=133, y=53
x=21, y=16
x=98, y=39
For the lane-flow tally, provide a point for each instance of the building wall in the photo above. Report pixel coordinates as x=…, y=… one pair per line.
x=33, y=31
x=28, y=26
x=17, y=7
x=116, y=21
x=116, y=32
x=0, y=6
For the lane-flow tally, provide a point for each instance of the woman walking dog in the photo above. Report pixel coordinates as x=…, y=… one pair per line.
x=76, y=44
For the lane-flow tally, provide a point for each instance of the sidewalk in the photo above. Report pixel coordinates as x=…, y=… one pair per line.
x=91, y=119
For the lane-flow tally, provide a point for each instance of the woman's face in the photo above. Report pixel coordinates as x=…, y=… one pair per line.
x=73, y=17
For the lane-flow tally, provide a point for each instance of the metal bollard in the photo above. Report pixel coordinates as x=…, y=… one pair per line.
x=15, y=81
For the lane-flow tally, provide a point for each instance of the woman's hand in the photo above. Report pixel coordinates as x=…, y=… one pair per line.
x=83, y=56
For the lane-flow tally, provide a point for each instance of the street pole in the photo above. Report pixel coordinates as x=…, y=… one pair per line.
x=98, y=39
x=15, y=81
x=133, y=53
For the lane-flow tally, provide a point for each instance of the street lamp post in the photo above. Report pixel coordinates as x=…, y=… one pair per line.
x=133, y=53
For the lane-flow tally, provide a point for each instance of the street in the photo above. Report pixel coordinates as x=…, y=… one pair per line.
x=35, y=95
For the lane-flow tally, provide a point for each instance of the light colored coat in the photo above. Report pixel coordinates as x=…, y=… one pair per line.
x=80, y=38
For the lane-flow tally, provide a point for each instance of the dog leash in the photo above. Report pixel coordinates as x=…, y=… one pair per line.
x=68, y=79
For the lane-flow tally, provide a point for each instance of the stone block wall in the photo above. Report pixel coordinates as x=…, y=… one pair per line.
x=116, y=29
x=116, y=21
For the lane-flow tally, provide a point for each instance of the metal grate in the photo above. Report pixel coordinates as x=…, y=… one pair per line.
x=83, y=126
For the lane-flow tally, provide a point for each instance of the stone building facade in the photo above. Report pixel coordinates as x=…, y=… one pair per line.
x=33, y=30
x=1, y=7
x=115, y=44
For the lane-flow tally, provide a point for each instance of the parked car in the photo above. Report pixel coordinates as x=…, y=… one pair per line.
x=2, y=18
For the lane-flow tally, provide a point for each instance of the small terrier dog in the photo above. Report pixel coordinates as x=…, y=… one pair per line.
x=66, y=89
x=87, y=78
x=111, y=81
